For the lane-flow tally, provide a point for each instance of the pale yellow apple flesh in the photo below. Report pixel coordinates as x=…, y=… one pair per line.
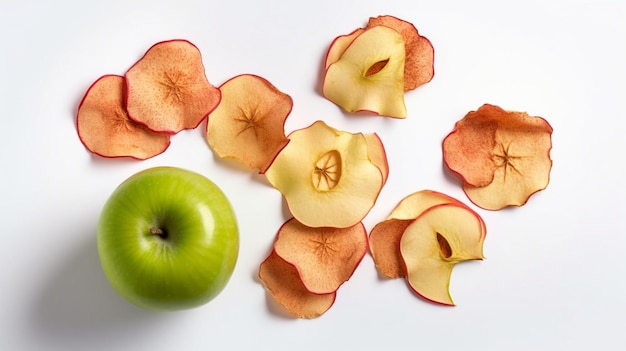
x=434, y=243
x=386, y=235
x=350, y=84
x=326, y=176
x=248, y=123
x=419, y=62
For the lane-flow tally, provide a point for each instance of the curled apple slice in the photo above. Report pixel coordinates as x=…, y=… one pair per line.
x=324, y=257
x=420, y=55
x=105, y=129
x=377, y=153
x=339, y=45
x=434, y=243
x=168, y=90
x=385, y=236
x=327, y=176
x=282, y=281
x=502, y=156
x=369, y=74
x=248, y=123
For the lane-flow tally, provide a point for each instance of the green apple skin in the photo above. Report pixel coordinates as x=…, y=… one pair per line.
x=168, y=239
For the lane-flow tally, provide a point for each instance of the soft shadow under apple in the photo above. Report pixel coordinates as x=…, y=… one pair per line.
x=78, y=305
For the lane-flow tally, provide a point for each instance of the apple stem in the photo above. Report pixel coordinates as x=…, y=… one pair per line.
x=158, y=231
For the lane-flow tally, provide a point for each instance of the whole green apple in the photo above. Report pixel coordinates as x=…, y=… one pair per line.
x=168, y=239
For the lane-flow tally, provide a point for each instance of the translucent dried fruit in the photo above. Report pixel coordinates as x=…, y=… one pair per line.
x=327, y=176
x=105, y=128
x=248, y=123
x=434, y=243
x=369, y=74
x=168, y=90
x=502, y=156
x=324, y=257
x=282, y=281
x=420, y=55
x=386, y=235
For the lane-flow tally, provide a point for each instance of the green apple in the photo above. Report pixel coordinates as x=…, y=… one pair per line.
x=168, y=239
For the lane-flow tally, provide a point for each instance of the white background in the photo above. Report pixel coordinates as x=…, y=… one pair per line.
x=554, y=273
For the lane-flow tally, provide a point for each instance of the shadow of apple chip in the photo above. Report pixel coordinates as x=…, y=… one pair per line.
x=282, y=281
x=325, y=257
x=105, y=129
x=168, y=90
x=369, y=69
x=248, y=124
x=328, y=177
x=502, y=156
x=403, y=245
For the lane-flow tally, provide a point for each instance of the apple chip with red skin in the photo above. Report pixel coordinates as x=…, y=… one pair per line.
x=328, y=177
x=248, y=124
x=434, y=243
x=168, y=90
x=369, y=74
x=325, y=257
x=502, y=156
x=282, y=281
x=308, y=265
x=105, y=128
x=420, y=54
x=385, y=236
x=371, y=68
x=422, y=239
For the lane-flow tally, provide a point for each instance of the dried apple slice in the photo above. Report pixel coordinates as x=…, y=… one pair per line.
x=324, y=257
x=377, y=153
x=385, y=236
x=369, y=75
x=168, y=90
x=282, y=281
x=105, y=129
x=502, y=156
x=434, y=243
x=248, y=124
x=339, y=45
x=420, y=54
x=326, y=176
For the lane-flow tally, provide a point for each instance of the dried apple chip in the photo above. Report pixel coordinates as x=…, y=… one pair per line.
x=105, y=129
x=168, y=90
x=420, y=55
x=385, y=236
x=282, y=281
x=339, y=45
x=434, y=243
x=248, y=123
x=377, y=154
x=502, y=156
x=369, y=74
x=327, y=176
x=324, y=257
